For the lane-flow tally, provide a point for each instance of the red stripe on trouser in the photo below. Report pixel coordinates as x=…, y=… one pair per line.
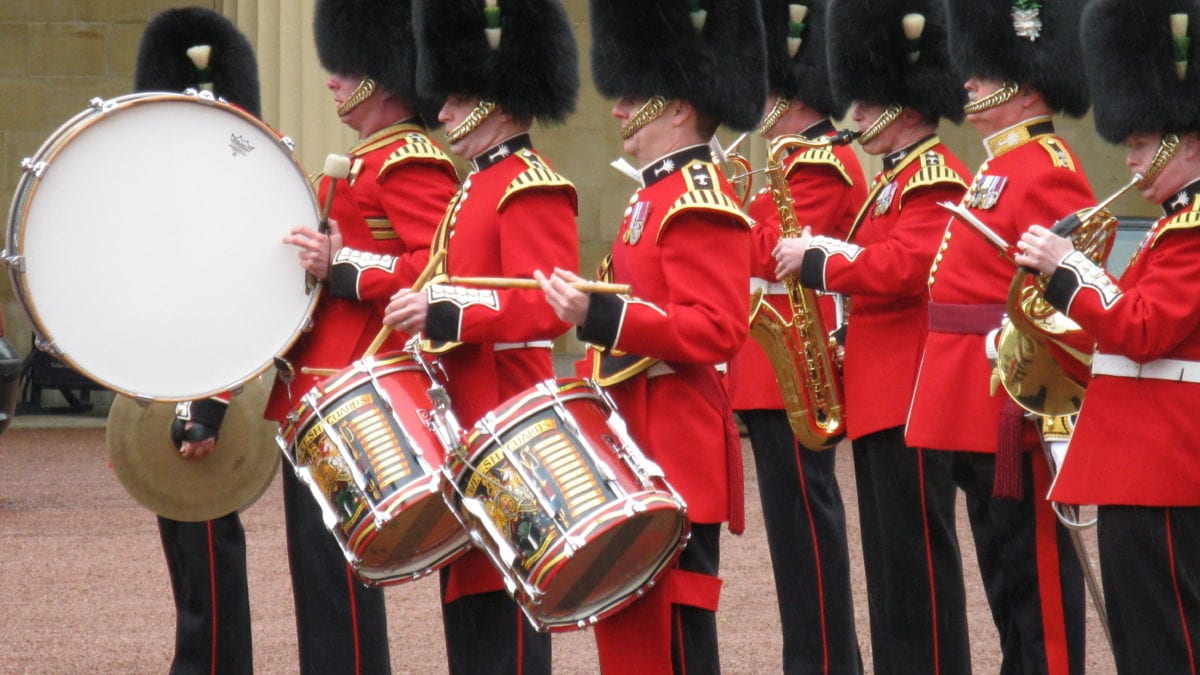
x=1054, y=624
x=933, y=615
x=812, y=528
x=212, y=589
x=1187, y=638
x=353, y=618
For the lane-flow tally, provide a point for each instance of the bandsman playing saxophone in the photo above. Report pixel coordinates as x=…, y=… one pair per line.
x=1134, y=450
x=1023, y=67
x=898, y=73
x=802, y=504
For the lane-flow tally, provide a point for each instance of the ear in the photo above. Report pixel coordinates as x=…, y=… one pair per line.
x=1191, y=145
x=1030, y=97
x=681, y=111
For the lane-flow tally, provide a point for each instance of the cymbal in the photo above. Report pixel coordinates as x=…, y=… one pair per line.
x=151, y=470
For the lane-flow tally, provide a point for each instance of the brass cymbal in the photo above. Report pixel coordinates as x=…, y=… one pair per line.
x=151, y=470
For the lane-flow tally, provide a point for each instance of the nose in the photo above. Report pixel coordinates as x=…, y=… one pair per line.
x=444, y=114
x=331, y=84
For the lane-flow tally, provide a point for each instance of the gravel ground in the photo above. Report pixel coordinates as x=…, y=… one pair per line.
x=86, y=589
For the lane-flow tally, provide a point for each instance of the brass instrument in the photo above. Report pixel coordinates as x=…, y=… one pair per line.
x=800, y=349
x=735, y=166
x=1043, y=358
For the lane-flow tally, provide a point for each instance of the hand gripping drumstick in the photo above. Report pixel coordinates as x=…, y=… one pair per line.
x=507, y=282
x=434, y=260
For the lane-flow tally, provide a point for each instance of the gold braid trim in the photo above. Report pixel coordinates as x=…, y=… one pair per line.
x=650, y=111
x=472, y=122
x=362, y=92
x=996, y=98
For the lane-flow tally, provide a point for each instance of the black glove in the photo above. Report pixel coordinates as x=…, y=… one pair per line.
x=205, y=415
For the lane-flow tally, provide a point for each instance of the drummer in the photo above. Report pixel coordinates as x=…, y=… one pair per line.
x=514, y=214
x=684, y=245
x=393, y=185
x=206, y=560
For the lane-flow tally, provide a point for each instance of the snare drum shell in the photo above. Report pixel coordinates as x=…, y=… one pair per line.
x=599, y=532
x=167, y=279
x=392, y=525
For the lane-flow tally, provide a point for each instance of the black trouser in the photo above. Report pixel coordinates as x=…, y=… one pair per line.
x=910, y=553
x=806, y=533
x=1150, y=564
x=207, y=565
x=341, y=625
x=1040, y=616
x=488, y=633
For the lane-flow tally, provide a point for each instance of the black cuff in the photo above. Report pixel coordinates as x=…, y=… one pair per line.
x=443, y=322
x=1063, y=286
x=602, y=325
x=812, y=269
x=343, y=281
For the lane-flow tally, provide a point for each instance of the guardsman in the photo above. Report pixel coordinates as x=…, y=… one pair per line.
x=684, y=247
x=1134, y=448
x=899, y=73
x=499, y=68
x=206, y=560
x=802, y=505
x=382, y=219
x=1022, y=60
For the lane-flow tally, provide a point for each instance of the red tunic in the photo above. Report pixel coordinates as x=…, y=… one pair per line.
x=513, y=215
x=828, y=186
x=1031, y=178
x=1135, y=441
x=884, y=271
x=387, y=212
x=684, y=246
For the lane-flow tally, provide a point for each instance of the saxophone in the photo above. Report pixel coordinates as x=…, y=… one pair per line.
x=799, y=348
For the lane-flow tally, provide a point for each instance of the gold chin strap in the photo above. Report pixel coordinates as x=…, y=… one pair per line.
x=996, y=98
x=362, y=92
x=1166, y=150
x=885, y=118
x=781, y=106
x=472, y=122
x=649, y=112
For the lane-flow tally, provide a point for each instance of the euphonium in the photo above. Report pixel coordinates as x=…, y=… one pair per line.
x=1043, y=358
x=799, y=348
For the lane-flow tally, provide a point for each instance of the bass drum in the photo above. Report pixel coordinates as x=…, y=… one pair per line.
x=145, y=244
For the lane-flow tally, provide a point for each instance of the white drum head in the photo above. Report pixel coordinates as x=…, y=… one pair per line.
x=152, y=246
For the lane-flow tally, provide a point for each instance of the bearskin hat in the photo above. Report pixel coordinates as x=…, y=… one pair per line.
x=163, y=63
x=872, y=60
x=997, y=40
x=1140, y=81
x=644, y=48
x=373, y=38
x=805, y=76
x=531, y=73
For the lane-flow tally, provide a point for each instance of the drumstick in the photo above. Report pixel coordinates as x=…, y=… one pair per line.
x=434, y=260
x=319, y=372
x=508, y=282
x=337, y=167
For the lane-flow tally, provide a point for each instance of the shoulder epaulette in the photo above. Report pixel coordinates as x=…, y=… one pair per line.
x=385, y=137
x=819, y=156
x=536, y=175
x=417, y=147
x=1184, y=220
x=703, y=193
x=1059, y=155
x=933, y=172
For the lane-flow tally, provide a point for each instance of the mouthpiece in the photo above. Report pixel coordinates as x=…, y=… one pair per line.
x=844, y=137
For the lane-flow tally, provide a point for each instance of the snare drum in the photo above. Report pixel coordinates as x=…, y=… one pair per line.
x=366, y=443
x=145, y=241
x=578, y=521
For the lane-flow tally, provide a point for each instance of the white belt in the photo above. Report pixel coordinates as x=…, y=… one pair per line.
x=767, y=287
x=537, y=344
x=1160, y=369
x=662, y=368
